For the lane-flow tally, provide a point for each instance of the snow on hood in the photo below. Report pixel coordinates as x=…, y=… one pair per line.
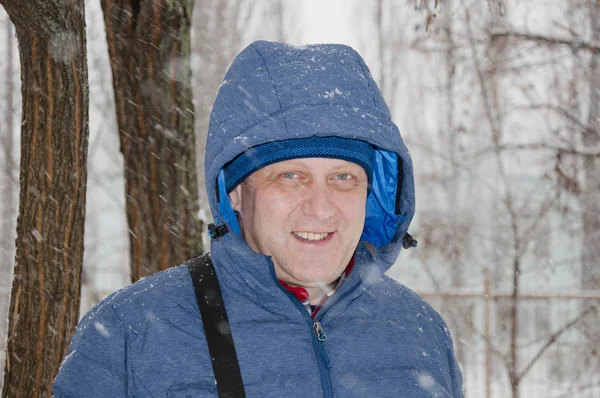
x=275, y=91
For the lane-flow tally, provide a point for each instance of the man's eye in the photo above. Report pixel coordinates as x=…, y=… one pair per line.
x=289, y=175
x=343, y=176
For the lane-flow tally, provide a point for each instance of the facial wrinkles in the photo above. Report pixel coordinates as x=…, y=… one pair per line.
x=279, y=213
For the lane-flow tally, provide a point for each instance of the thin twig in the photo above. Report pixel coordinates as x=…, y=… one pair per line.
x=574, y=43
x=553, y=339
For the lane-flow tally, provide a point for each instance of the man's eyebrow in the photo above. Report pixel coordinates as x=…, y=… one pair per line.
x=345, y=168
x=279, y=167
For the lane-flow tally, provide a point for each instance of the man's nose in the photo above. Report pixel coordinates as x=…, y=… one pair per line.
x=318, y=202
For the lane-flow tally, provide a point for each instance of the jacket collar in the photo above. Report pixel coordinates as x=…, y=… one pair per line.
x=252, y=275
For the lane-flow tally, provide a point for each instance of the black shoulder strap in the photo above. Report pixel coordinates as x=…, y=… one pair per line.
x=216, y=327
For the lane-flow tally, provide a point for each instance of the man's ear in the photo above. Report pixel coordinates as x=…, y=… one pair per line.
x=235, y=198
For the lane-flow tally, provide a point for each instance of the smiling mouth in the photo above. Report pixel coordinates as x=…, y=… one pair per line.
x=312, y=236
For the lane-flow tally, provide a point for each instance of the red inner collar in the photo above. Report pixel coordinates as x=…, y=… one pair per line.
x=302, y=295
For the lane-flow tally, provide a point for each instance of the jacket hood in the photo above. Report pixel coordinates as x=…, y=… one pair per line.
x=275, y=91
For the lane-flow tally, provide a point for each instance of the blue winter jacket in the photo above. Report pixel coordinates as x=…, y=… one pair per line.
x=147, y=340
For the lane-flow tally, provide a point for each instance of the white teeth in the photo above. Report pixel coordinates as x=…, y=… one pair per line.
x=311, y=235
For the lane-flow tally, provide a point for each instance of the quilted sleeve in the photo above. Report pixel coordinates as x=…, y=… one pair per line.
x=455, y=372
x=95, y=365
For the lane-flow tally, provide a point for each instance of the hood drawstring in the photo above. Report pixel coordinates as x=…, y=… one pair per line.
x=216, y=231
x=408, y=241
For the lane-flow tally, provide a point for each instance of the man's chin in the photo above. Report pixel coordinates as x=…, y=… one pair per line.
x=316, y=279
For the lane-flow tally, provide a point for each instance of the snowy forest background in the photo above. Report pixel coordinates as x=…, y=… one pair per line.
x=499, y=103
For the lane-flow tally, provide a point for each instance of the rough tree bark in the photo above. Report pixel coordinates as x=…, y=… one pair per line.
x=149, y=48
x=45, y=294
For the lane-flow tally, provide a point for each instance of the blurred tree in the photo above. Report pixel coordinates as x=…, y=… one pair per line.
x=54, y=135
x=216, y=38
x=218, y=31
x=149, y=49
x=591, y=139
x=7, y=182
x=591, y=191
x=446, y=233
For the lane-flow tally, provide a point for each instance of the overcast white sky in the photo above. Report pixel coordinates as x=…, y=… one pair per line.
x=327, y=21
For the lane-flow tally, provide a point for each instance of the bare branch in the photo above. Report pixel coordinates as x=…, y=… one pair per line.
x=575, y=43
x=592, y=152
x=560, y=111
x=553, y=339
x=579, y=389
x=542, y=212
x=570, y=149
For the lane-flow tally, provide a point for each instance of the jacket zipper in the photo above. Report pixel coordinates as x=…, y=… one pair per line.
x=322, y=337
x=318, y=341
x=318, y=336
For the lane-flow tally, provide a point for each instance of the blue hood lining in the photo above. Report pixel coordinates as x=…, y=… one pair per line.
x=383, y=203
x=225, y=209
x=383, y=215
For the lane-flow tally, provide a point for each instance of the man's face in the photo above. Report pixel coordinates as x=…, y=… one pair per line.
x=307, y=214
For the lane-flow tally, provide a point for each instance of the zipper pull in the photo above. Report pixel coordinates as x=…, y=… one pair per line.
x=321, y=336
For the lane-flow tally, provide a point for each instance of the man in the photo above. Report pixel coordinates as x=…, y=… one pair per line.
x=311, y=189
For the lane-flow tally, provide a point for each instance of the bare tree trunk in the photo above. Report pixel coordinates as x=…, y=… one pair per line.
x=382, y=43
x=45, y=294
x=489, y=83
x=514, y=331
x=278, y=17
x=8, y=187
x=392, y=47
x=591, y=192
x=591, y=195
x=216, y=39
x=449, y=136
x=8, y=142
x=149, y=48
x=495, y=56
